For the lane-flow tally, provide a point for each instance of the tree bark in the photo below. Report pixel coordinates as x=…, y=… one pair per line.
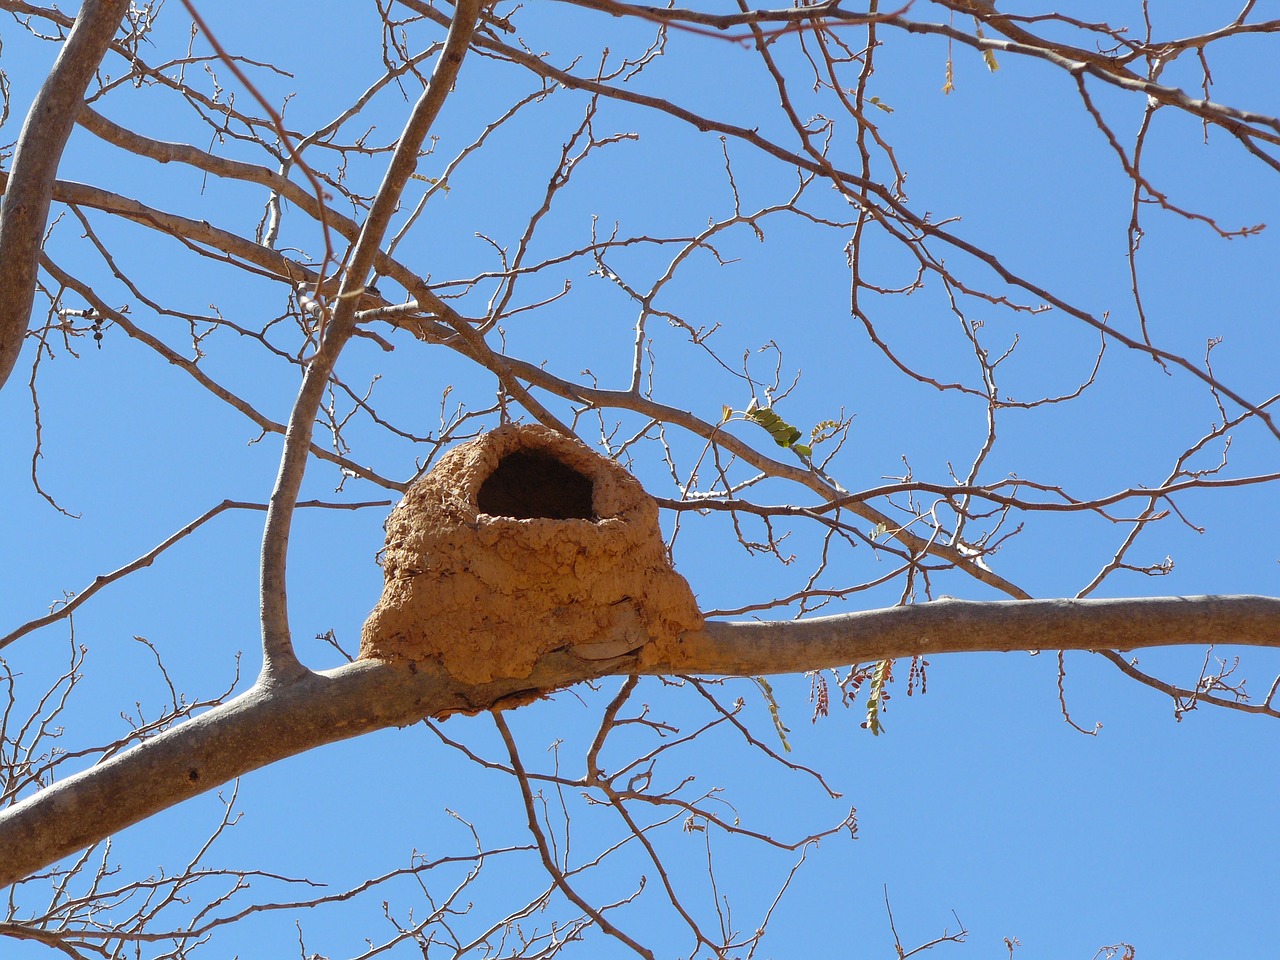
x=279, y=660
x=276, y=720
x=965, y=626
x=25, y=212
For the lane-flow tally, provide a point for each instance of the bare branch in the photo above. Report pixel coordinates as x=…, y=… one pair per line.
x=958, y=626
x=35, y=164
x=279, y=659
x=274, y=721
x=68, y=607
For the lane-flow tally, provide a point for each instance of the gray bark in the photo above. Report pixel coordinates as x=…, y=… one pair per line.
x=275, y=720
x=25, y=212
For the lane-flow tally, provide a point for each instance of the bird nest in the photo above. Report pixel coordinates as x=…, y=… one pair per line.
x=520, y=543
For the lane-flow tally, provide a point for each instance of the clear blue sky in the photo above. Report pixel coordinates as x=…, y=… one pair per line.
x=979, y=798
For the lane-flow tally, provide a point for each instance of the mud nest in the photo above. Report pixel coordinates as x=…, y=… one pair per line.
x=519, y=543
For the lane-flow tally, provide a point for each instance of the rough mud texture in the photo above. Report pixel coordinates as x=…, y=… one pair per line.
x=519, y=543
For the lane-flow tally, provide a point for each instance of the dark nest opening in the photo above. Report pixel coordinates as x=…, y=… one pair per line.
x=529, y=484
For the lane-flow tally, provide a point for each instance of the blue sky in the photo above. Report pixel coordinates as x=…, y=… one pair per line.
x=979, y=798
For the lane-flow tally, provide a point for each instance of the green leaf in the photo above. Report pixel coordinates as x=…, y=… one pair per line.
x=783, y=433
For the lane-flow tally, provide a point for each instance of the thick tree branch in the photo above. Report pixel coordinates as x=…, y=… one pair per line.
x=267, y=723
x=271, y=721
x=965, y=626
x=35, y=163
x=279, y=658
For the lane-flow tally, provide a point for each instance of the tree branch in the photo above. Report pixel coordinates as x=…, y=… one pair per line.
x=267, y=723
x=35, y=163
x=192, y=368
x=967, y=626
x=271, y=721
x=279, y=658
x=66, y=609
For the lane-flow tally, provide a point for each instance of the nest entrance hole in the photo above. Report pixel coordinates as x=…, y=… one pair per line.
x=529, y=485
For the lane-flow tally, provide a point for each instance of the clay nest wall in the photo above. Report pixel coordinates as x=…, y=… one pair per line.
x=519, y=543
